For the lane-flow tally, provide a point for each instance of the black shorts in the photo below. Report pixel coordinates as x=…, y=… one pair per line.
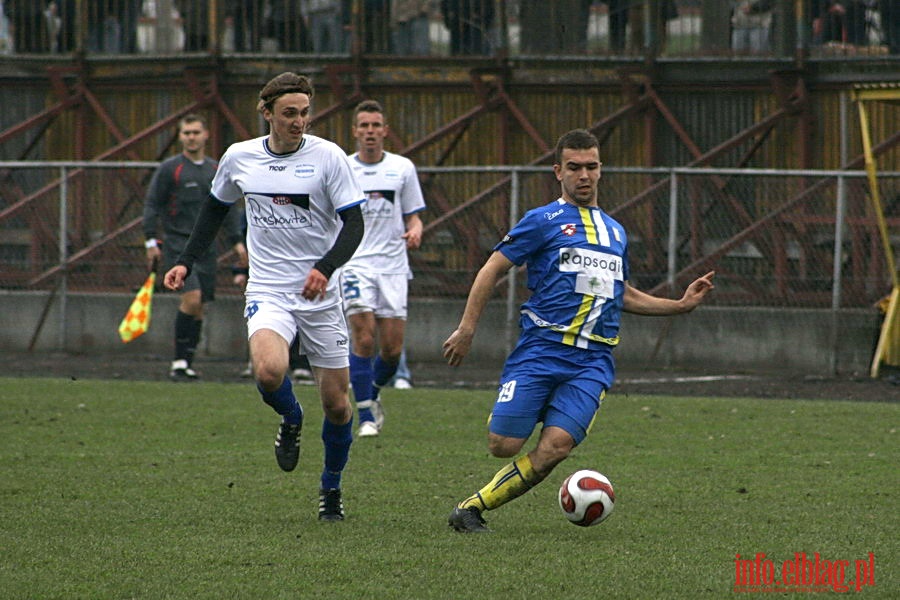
x=203, y=273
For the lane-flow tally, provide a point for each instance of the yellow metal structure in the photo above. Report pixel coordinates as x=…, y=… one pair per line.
x=888, y=349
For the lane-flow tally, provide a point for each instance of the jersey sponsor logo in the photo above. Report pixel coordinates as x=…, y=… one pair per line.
x=568, y=229
x=379, y=204
x=277, y=168
x=304, y=171
x=392, y=174
x=582, y=260
x=301, y=200
x=506, y=239
x=595, y=272
x=388, y=195
x=264, y=211
x=552, y=215
x=383, y=212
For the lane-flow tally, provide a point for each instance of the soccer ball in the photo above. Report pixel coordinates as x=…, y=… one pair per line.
x=586, y=498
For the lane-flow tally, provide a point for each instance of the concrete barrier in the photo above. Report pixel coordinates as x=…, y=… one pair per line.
x=713, y=339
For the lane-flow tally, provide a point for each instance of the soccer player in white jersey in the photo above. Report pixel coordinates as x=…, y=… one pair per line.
x=304, y=221
x=375, y=280
x=562, y=365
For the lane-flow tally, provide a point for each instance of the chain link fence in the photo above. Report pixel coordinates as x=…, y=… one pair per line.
x=802, y=239
x=776, y=238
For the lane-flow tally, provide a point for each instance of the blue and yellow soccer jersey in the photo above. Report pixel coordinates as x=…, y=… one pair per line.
x=577, y=267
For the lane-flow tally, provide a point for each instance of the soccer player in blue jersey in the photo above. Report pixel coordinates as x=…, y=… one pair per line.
x=304, y=221
x=577, y=261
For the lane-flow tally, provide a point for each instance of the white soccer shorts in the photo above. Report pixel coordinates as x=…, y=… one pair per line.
x=383, y=294
x=323, y=332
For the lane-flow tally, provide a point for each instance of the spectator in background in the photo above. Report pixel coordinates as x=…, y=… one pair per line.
x=246, y=15
x=66, y=12
x=751, y=22
x=29, y=25
x=555, y=27
x=178, y=189
x=286, y=24
x=469, y=22
x=196, y=25
x=376, y=26
x=5, y=38
x=112, y=26
x=890, y=24
x=328, y=22
x=839, y=22
x=617, y=21
x=410, y=26
x=662, y=12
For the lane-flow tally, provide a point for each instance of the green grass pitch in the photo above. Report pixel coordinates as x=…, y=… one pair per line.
x=154, y=490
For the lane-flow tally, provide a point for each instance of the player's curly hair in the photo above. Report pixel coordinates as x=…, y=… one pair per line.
x=286, y=83
x=577, y=139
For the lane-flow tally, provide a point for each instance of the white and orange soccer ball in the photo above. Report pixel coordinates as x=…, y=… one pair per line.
x=586, y=498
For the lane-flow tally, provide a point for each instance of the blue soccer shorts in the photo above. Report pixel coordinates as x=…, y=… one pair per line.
x=549, y=382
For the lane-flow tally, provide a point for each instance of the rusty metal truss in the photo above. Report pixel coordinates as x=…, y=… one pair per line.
x=72, y=93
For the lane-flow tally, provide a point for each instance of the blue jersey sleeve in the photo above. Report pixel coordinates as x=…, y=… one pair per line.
x=522, y=240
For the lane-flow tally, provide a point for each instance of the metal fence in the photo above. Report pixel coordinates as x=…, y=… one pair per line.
x=776, y=238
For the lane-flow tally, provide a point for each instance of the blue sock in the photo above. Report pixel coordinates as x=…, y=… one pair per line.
x=383, y=371
x=337, y=439
x=361, y=382
x=284, y=402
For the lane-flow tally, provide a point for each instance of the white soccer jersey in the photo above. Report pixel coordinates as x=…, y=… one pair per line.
x=392, y=192
x=292, y=203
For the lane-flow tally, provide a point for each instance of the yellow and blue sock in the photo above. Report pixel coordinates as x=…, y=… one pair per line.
x=509, y=483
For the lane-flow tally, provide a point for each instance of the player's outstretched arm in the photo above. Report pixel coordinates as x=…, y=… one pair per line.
x=459, y=343
x=642, y=303
x=696, y=292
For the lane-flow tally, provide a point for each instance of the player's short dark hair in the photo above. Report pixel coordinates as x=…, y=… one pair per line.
x=577, y=139
x=286, y=83
x=369, y=106
x=192, y=118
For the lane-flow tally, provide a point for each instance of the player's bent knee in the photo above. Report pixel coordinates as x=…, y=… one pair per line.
x=504, y=447
x=338, y=413
x=364, y=346
x=545, y=461
x=269, y=379
x=554, y=447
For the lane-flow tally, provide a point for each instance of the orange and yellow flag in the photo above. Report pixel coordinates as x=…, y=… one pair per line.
x=137, y=319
